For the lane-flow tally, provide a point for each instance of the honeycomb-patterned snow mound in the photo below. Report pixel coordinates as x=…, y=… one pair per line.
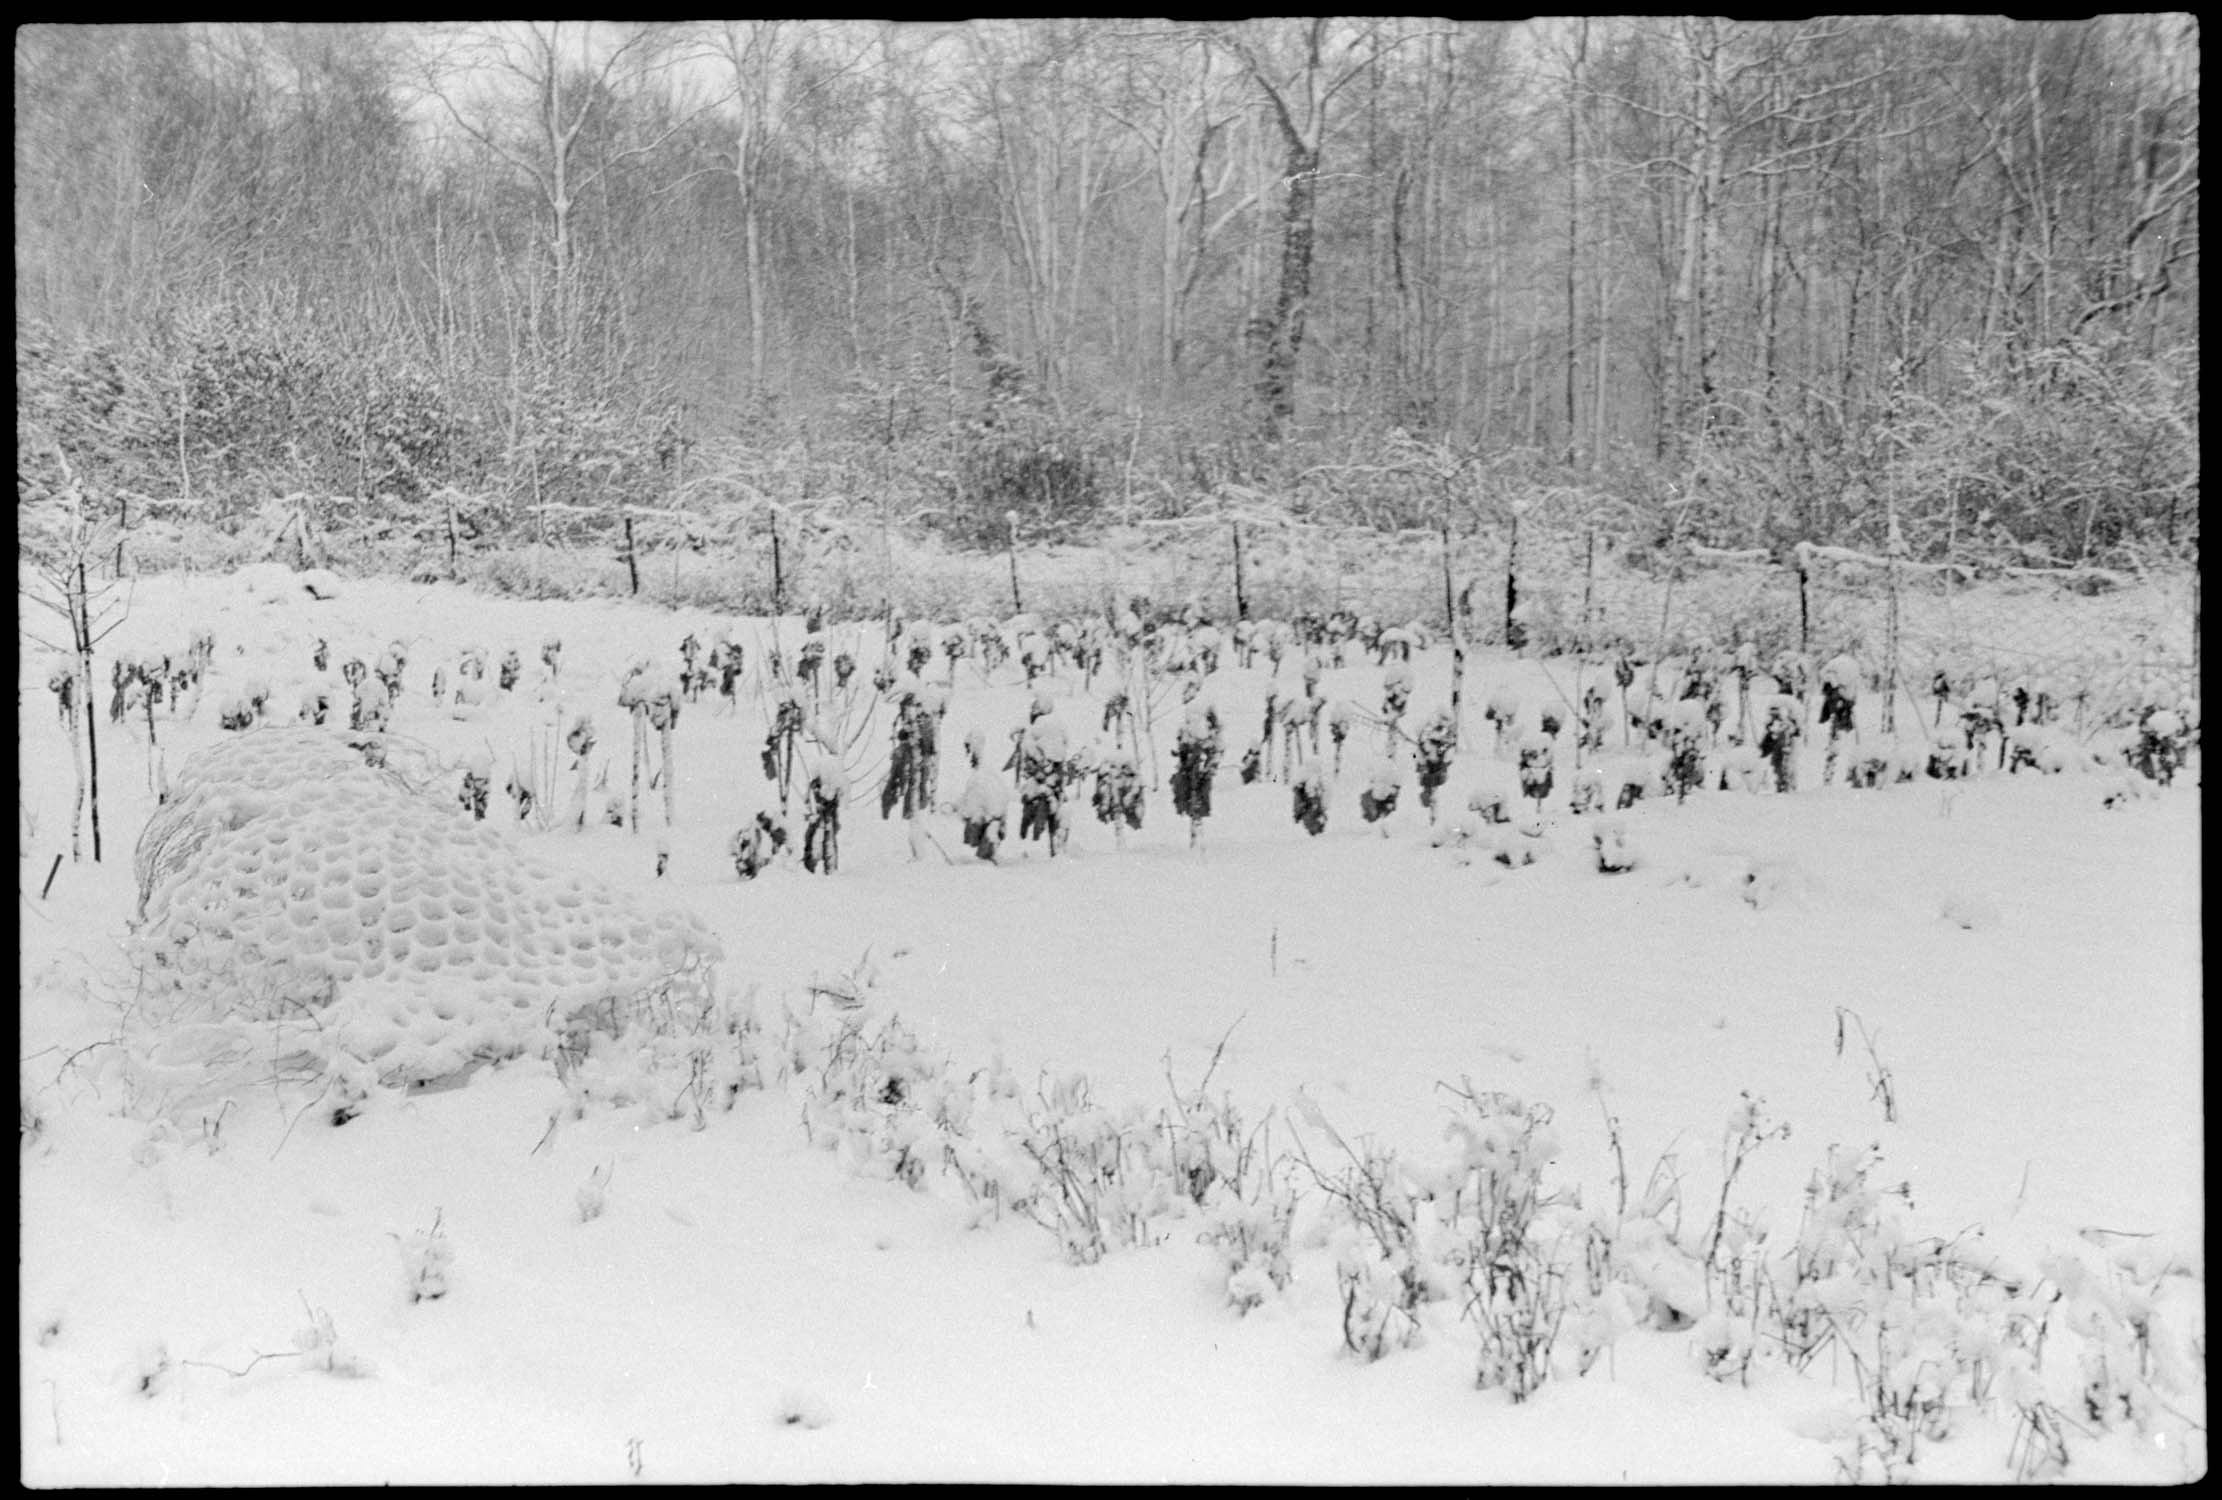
x=289, y=882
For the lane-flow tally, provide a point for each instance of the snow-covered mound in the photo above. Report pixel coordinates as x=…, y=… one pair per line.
x=288, y=880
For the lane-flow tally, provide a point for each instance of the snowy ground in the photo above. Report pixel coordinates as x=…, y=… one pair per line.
x=748, y=1308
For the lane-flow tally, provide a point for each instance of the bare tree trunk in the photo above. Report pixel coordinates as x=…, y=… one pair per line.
x=84, y=630
x=1574, y=231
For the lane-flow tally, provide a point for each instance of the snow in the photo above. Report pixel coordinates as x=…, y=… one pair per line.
x=740, y=1304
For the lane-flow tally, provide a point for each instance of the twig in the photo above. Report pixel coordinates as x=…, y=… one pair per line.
x=240, y=1374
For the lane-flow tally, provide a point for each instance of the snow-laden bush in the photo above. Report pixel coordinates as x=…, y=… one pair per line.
x=1513, y=1275
x=873, y=1093
x=1225, y=1166
x=1106, y=1174
x=308, y=897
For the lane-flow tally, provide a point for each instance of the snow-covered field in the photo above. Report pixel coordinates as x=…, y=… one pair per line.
x=630, y=1296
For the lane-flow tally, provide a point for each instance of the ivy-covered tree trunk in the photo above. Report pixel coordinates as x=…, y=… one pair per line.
x=1284, y=332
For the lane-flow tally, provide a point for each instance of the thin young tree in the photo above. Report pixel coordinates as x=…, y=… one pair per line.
x=67, y=542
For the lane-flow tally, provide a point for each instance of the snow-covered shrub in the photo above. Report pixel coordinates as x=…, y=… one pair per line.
x=1587, y=795
x=1615, y=854
x=1436, y=741
x=1385, y=1255
x=1538, y=764
x=297, y=903
x=1118, y=793
x=1523, y=844
x=318, y=1344
x=1225, y=1167
x=878, y=1097
x=1377, y=799
x=1308, y=799
x=1687, y=732
x=1106, y=1177
x=1491, y=1196
x=1045, y=769
x=821, y=832
x=1195, y=761
x=2160, y=747
x=1742, y=768
x=1503, y=712
x=1396, y=691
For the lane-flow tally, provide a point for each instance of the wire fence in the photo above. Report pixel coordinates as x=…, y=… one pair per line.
x=2086, y=633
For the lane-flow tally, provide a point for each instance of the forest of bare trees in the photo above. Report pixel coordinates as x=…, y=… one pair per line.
x=1757, y=283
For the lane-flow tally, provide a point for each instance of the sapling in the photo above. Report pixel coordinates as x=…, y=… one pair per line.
x=1195, y=760
x=810, y=659
x=690, y=651
x=477, y=784
x=580, y=739
x=780, y=743
x=1538, y=763
x=1118, y=795
x=1591, y=737
x=1437, y=741
x=1308, y=799
x=1839, y=701
x=1043, y=763
x=910, y=762
x=754, y=845
x=1338, y=729
x=982, y=807
x=821, y=833
x=663, y=717
x=1778, y=740
x=1297, y=715
x=1396, y=695
x=1587, y=794
x=633, y=695
x=1687, y=732
x=1378, y=798
x=1503, y=712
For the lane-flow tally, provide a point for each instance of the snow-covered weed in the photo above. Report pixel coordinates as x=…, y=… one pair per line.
x=1107, y=1177
x=1392, y=1253
x=320, y=1348
x=878, y=1097
x=1226, y=1167
x=1492, y=1197
x=426, y=1258
x=593, y=1194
